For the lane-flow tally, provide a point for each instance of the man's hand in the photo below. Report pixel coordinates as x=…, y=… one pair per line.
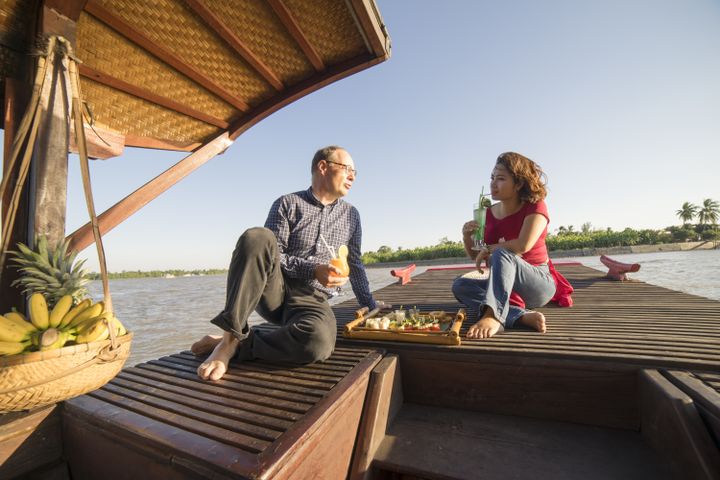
x=483, y=255
x=329, y=276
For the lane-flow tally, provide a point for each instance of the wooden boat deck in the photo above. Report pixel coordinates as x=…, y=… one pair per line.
x=622, y=381
x=625, y=322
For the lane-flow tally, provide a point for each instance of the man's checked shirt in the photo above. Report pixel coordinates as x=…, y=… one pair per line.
x=298, y=219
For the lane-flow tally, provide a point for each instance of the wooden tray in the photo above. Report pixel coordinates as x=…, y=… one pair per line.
x=447, y=337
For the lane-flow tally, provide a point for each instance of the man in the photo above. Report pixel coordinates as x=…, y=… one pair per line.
x=283, y=272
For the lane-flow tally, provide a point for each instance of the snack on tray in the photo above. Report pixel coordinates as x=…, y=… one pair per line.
x=410, y=320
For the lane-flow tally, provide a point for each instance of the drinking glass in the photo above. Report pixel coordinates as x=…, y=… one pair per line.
x=479, y=216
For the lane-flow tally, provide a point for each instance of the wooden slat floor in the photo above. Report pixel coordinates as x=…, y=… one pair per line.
x=622, y=322
x=248, y=419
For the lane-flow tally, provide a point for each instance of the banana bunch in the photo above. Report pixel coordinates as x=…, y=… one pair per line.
x=48, y=329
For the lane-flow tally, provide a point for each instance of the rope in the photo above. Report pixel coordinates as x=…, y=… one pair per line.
x=81, y=142
x=25, y=135
x=58, y=49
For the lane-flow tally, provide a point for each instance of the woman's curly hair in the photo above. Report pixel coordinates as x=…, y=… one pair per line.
x=526, y=172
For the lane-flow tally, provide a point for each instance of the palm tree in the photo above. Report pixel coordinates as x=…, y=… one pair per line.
x=710, y=212
x=687, y=212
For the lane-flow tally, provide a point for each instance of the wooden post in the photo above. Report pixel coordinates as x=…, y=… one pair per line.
x=16, y=99
x=42, y=207
x=48, y=173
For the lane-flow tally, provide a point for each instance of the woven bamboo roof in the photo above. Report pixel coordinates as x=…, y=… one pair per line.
x=174, y=74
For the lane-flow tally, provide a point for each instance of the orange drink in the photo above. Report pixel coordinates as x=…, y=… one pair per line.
x=340, y=262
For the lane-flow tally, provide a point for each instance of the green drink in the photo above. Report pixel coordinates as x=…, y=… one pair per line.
x=479, y=212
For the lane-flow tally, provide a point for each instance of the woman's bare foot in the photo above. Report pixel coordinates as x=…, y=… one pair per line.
x=534, y=320
x=217, y=363
x=486, y=327
x=206, y=344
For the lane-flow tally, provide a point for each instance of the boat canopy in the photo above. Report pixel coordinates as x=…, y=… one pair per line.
x=174, y=74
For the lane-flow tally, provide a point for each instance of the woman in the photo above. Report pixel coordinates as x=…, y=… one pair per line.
x=516, y=227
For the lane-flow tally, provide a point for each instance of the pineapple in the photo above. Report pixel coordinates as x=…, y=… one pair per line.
x=50, y=271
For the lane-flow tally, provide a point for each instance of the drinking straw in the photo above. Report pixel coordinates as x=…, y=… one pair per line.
x=480, y=232
x=482, y=215
x=330, y=249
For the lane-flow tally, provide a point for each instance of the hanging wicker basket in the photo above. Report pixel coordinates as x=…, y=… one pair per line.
x=35, y=379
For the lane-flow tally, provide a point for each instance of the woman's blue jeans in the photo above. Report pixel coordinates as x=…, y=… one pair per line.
x=508, y=272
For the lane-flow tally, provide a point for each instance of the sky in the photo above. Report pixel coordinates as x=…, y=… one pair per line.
x=617, y=100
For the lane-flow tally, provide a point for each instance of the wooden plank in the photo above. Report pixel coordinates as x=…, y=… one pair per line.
x=48, y=172
x=382, y=404
x=704, y=394
x=102, y=143
x=141, y=446
x=145, y=417
x=248, y=378
x=553, y=390
x=110, y=218
x=322, y=379
x=371, y=27
x=430, y=442
x=218, y=26
x=276, y=418
x=671, y=424
x=68, y=8
x=163, y=54
x=293, y=28
x=29, y=441
x=172, y=405
x=160, y=144
x=117, y=84
x=321, y=444
x=243, y=441
x=629, y=322
x=16, y=99
x=301, y=402
x=268, y=426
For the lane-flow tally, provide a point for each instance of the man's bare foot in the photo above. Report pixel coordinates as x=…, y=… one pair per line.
x=206, y=344
x=534, y=320
x=217, y=363
x=486, y=327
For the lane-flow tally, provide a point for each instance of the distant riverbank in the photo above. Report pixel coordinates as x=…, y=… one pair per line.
x=578, y=252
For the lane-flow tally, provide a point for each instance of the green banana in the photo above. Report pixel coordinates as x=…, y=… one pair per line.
x=61, y=308
x=39, y=315
x=14, y=330
x=53, y=338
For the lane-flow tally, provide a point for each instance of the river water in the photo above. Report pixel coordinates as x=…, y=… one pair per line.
x=168, y=314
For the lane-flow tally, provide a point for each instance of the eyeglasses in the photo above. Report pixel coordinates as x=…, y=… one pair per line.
x=348, y=169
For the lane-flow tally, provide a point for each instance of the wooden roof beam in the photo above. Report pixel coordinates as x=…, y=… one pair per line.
x=217, y=25
x=139, y=92
x=110, y=218
x=371, y=26
x=140, y=39
x=293, y=28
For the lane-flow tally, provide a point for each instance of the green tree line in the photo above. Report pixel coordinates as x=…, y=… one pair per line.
x=567, y=238
x=157, y=273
